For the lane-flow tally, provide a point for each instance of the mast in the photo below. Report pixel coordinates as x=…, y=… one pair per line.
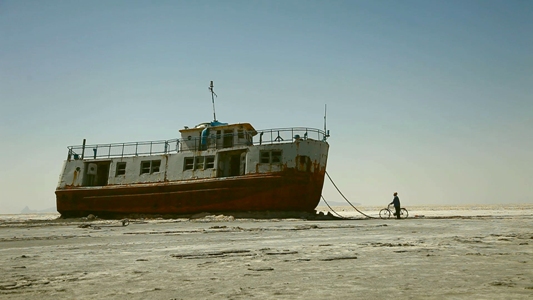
x=326, y=132
x=325, y=111
x=213, y=99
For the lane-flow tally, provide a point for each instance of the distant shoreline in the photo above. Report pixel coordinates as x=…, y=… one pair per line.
x=346, y=211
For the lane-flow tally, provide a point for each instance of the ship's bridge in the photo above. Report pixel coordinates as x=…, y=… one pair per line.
x=217, y=135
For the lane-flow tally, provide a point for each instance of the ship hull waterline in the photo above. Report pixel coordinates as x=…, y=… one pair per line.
x=288, y=191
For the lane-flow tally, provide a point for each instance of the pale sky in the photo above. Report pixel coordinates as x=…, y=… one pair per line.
x=430, y=98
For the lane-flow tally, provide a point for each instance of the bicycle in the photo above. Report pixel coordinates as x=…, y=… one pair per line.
x=387, y=212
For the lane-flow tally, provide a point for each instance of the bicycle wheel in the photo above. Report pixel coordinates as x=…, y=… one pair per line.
x=404, y=213
x=384, y=213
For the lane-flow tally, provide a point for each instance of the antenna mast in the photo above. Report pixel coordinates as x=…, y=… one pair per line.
x=326, y=132
x=325, y=110
x=213, y=95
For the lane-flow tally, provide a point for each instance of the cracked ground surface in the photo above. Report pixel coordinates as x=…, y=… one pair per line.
x=227, y=258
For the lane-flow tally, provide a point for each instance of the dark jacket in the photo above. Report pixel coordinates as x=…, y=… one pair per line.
x=396, y=201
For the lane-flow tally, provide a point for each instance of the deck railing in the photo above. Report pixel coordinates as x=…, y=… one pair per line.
x=288, y=135
x=268, y=136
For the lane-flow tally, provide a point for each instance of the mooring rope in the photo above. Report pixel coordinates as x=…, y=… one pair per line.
x=346, y=199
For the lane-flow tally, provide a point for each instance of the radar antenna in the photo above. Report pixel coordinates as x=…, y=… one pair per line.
x=213, y=95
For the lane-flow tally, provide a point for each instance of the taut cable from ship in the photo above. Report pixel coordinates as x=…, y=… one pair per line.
x=338, y=190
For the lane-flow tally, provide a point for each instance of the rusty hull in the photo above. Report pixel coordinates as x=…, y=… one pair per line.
x=289, y=190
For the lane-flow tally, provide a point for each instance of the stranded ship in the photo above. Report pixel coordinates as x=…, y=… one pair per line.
x=213, y=167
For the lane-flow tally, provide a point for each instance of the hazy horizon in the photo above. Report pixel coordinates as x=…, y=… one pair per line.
x=432, y=99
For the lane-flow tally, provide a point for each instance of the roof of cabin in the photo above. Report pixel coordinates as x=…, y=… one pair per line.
x=221, y=126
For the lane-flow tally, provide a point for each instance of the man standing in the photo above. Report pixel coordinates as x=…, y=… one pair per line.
x=396, y=202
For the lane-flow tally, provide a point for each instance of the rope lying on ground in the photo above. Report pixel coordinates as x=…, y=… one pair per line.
x=125, y=222
x=346, y=201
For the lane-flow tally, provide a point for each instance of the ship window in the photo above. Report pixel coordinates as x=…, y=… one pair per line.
x=150, y=166
x=156, y=164
x=145, y=167
x=189, y=163
x=219, y=134
x=265, y=157
x=271, y=157
x=199, y=163
x=276, y=157
x=228, y=139
x=240, y=133
x=121, y=168
x=209, y=162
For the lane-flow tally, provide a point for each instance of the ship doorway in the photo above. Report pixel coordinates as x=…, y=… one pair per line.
x=231, y=163
x=96, y=173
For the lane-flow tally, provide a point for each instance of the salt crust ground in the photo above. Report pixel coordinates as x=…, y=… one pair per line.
x=443, y=255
